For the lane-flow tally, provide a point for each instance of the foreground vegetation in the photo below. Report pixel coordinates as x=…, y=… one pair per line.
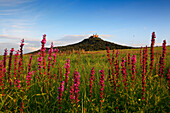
x=128, y=80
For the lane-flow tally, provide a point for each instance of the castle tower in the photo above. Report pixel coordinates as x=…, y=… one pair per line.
x=95, y=36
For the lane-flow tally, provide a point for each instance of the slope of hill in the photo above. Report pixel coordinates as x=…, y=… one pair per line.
x=91, y=44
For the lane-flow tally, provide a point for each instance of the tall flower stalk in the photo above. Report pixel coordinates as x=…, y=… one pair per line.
x=141, y=58
x=72, y=96
x=76, y=87
x=101, y=83
x=9, y=67
x=123, y=70
x=152, y=51
x=60, y=90
x=28, y=79
x=108, y=55
x=114, y=80
x=49, y=59
x=15, y=64
x=168, y=78
x=4, y=63
x=113, y=55
x=111, y=61
x=133, y=68
x=17, y=82
x=43, y=52
x=21, y=57
x=144, y=72
x=162, y=60
x=54, y=56
x=67, y=67
x=156, y=69
x=2, y=78
x=129, y=61
x=146, y=58
x=117, y=67
x=29, y=65
x=39, y=60
x=91, y=82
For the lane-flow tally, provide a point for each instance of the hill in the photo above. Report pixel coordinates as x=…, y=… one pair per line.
x=93, y=43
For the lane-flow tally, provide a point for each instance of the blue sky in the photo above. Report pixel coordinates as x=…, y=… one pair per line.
x=126, y=22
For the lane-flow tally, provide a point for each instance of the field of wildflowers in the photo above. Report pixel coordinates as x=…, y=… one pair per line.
x=128, y=80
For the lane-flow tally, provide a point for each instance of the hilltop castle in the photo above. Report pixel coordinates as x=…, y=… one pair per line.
x=95, y=36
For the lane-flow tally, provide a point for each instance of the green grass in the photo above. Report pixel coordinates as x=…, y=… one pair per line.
x=42, y=96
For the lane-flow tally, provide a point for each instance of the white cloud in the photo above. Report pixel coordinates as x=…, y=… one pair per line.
x=29, y=46
x=59, y=43
x=106, y=36
x=12, y=3
x=17, y=17
x=30, y=49
x=73, y=38
x=148, y=45
x=17, y=26
x=158, y=44
x=8, y=46
x=8, y=37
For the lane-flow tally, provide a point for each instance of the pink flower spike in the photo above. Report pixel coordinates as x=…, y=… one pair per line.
x=133, y=68
x=67, y=67
x=91, y=81
x=76, y=78
x=101, y=83
x=123, y=70
x=60, y=90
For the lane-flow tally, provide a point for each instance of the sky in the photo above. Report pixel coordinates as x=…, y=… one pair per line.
x=125, y=22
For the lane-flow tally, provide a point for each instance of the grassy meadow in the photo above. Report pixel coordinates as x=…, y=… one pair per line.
x=38, y=86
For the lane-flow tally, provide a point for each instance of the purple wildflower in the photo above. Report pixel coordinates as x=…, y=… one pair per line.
x=123, y=70
x=67, y=67
x=39, y=60
x=152, y=51
x=162, y=60
x=9, y=67
x=28, y=78
x=49, y=59
x=117, y=67
x=15, y=64
x=60, y=90
x=29, y=65
x=129, y=61
x=133, y=68
x=72, y=97
x=1, y=77
x=43, y=51
x=144, y=71
x=113, y=56
x=168, y=78
x=21, y=56
x=108, y=54
x=5, y=60
x=55, y=55
x=101, y=83
x=76, y=87
x=91, y=82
